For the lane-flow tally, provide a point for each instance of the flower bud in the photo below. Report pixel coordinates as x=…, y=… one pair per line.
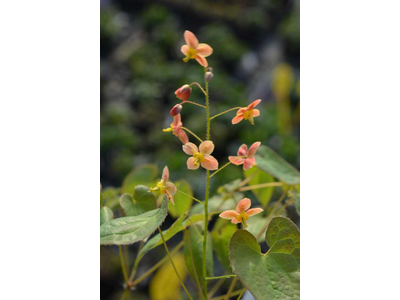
x=183, y=92
x=176, y=110
x=208, y=76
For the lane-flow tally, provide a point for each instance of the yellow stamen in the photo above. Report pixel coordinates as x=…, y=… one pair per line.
x=191, y=54
x=161, y=187
x=169, y=129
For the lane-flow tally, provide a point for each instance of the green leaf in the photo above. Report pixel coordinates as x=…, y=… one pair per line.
x=259, y=176
x=145, y=175
x=270, y=162
x=296, y=197
x=128, y=230
x=169, y=233
x=276, y=274
x=106, y=214
x=141, y=202
x=221, y=244
x=182, y=202
x=194, y=245
x=110, y=197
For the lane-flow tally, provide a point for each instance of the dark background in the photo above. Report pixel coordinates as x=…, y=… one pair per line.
x=256, y=55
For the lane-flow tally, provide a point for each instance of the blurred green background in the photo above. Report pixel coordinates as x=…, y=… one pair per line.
x=256, y=55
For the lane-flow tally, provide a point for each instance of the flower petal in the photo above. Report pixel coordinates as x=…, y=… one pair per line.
x=190, y=148
x=242, y=150
x=236, y=160
x=206, y=147
x=254, y=211
x=228, y=214
x=171, y=188
x=235, y=221
x=243, y=205
x=202, y=61
x=253, y=149
x=165, y=174
x=177, y=120
x=184, y=49
x=254, y=104
x=237, y=119
x=204, y=50
x=256, y=112
x=210, y=163
x=248, y=163
x=182, y=136
x=191, y=165
x=190, y=39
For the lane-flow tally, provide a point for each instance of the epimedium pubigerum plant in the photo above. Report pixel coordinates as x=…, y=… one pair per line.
x=146, y=202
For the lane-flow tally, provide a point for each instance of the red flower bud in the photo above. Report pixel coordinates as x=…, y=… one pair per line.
x=183, y=92
x=176, y=110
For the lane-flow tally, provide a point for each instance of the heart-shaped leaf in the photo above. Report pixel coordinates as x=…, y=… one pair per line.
x=259, y=176
x=275, y=274
x=106, y=214
x=141, y=202
x=143, y=175
x=273, y=164
x=193, y=248
x=128, y=230
x=182, y=202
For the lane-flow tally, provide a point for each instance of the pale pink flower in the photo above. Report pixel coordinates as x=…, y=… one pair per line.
x=247, y=113
x=242, y=212
x=201, y=157
x=245, y=157
x=194, y=50
x=165, y=187
x=176, y=129
x=183, y=92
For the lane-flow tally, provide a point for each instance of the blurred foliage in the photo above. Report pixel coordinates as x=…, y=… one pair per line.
x=141, y=67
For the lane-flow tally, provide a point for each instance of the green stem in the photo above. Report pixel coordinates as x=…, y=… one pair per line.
x=219, y=277
x=224, y=112
x=231, y=288
x=184, y=128
x=157, y=265
x=194, y=103
x=241, y=294
x=135, y=265
x=223, y=296
x=173, y=264
x=201, y=202
x=199, y=87
x=206, y=200
x=216, y=287
x=121, y=255
x=227, y=164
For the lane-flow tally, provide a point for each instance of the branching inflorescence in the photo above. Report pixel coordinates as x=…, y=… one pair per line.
x=201, y=155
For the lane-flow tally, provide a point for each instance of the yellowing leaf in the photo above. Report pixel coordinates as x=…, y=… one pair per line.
x=165, y=285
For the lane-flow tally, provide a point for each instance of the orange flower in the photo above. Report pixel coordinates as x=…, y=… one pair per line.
x=245, y=157
x=201, y=157
x=242, y=212
x=194, y=50
x=176, y=110
x=183, y=92
x=176, y=129
x=165, y=187
x=247, y=113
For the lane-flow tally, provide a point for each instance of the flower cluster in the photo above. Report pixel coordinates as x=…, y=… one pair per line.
x=201, y=155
